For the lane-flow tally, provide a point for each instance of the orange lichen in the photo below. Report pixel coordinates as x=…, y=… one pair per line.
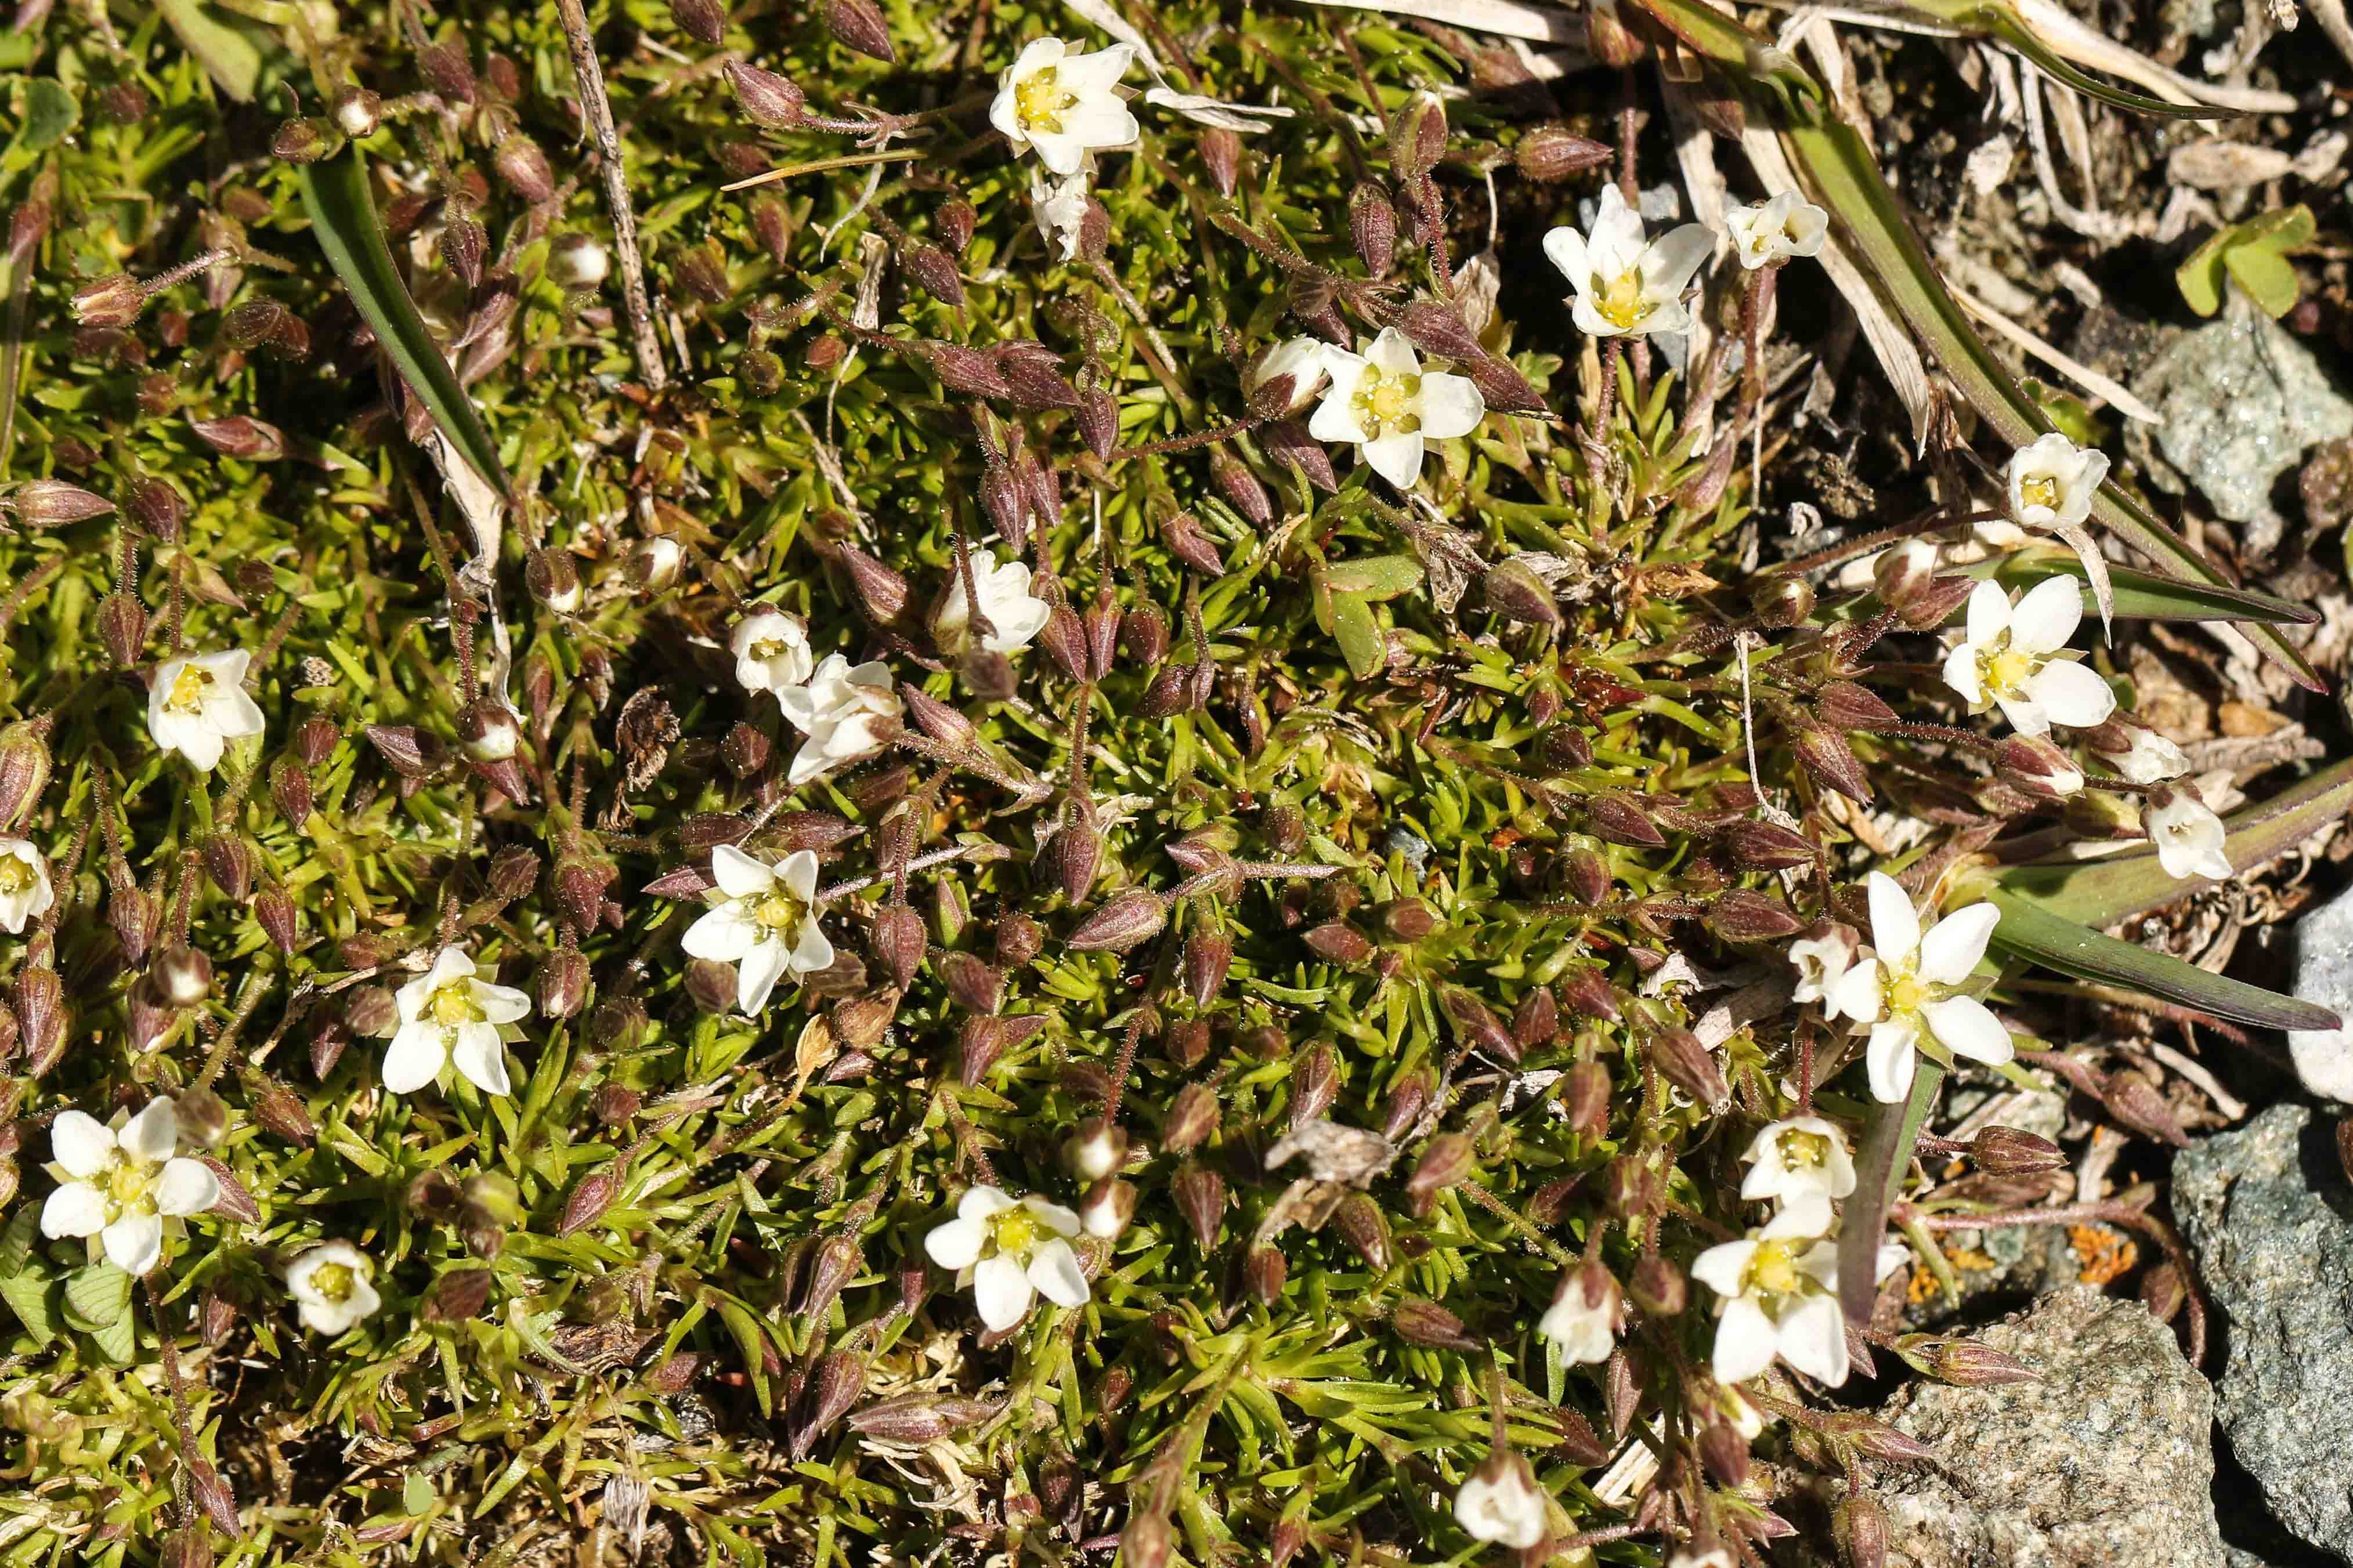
x=2104, y=1254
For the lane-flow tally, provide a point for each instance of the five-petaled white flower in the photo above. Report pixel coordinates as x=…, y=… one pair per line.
x=448, y=1015
x=772, y=651
x=2052, y=481
x=762, y=919
x=1777, y=1296
x=1062, y=105
x=196, y=704
x=847, y=714
x=1501, y=1503
x=1382, y=402
x=1803, y=1164
x=1909, y=987
x=1015, y=615
x=1623, y=283
x=1583, y=1318
x=1059, y=208
x=1776, y=230
x=25, y=891
x=1016, y=1252
x=334, y=1286
x=1823, y=956
x=2188, y=834
x=1287, y=376
x=2010, y=659
x=125, y=1181
x=2148, y=758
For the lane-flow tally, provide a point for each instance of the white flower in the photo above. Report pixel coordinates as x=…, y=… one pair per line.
x=2007, y=659
x=1302, y=362
x=126, y=1180
x=1015, y=615
x=1059, y=208
x=1501, y=1503
x=1583, y=1317
x=1802, y=1163
x=1622, y=283
x=1776, y=230
x=1908, y=988
x=1016, y=1252
x=197, y=703
x=2189, y=836
x=1713, y=1557
x=25, y=891
x=2150, y=758
x=772, y=651
x=1064, y=106
x=2052, y=482
x=847, y=714
x=332, y=1286
x=762, y=919
x=1777, y=1296
x=448, y=1015
x=1382, y=403
x=1823, y=956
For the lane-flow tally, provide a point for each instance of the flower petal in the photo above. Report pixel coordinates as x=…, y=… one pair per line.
x=1961, y=674
x=758, y=973
x=414, y=1056
x=1967, y=1027
x=2047, y=615
x=1669, y=261
x=1889, y=1059
x=134, y=1243
x=1894, y=923
x=1721, y=1266
x=80, y=1142
x=1393, y=354
x=979, y=1203
x=1053, y=1216
x=956, y=1245
x=1989, y=614
x=1002, y=1291
x=1861, y=992
x=185, y=1187
x=153, y=1135
x=1953, y=947
x=1564, y=248
x=812, y=952
x=738, y=875
x=797, y=872
x=1450, y=406
x=723, y=936
x=2024, y=713
x=1744, y=1341
x=1397, y=458
x=1054, y=1270
x=2072, y=694
x=481, y=1057
x=501, y=1003
x=77, y=1208
x=1812, y=1338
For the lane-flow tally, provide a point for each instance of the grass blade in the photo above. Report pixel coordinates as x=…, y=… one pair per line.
x=1889, y=1135
x=2148, y=595
x=344, y=218
x=227, y=55
x=2030, y=931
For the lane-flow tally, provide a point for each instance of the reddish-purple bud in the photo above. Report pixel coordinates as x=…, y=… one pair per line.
x=1127, y=920
x=766, y=99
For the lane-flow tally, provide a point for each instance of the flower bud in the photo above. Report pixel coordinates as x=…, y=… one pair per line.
x=447, y=70
x=1106, y=1208
x=1825, y=755
x=1148, y=1542
x=1200, y=1196
x=973, y=984
x=2009, y=1152
x=1374, y=225
x=1097, y=1150
x=857, y=25
x=1446, y=1161
x=53, y=503
x=705, y=21
x=1265, y=1271
x=1020, y=938
x=1862, y=1527
x=523, y=167
x=1536, y=1019
x=1658, y=1286
x=1934, y=604
x=1608, y=38
x=577, y=260
x=919, y=1418
x=1192, y=1117
x=1221, y=155
x=1617, y=819
x=492, y=1200
x=1743, y=914
x=1477, y=1024
x=1690, y=1067
x=113, y=300
x=1067, y=861
x=1241, y=487
x=184, y=976
x=983, y=1041
x=247, y=440
x=1725, y=1454
x=273, y=911
x=1552, y=151
x=1407, y=1099
x=356, y=112
x=1514, y=591
x=1765, y=846
x=1423, y=1322
x=1361, y=1225
x=1126, y=921
x=1315, y=1084
x=228, y=861
x=1418, y=137
x=1207, y=956
x=1844, y=705
x=1584, y=1098
x=488, y=732
x=2031, y=766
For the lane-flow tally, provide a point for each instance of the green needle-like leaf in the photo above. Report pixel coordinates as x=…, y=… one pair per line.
x=1889, y=1135
x=2147, y=595
x=2028, y=931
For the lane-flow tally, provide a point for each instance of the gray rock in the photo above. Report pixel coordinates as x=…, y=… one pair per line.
x=2105, y=1461
x=2266, y=1210
x=2243, y=401
x=2324, y=973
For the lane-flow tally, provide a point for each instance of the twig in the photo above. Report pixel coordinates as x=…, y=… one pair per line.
x=599, y=111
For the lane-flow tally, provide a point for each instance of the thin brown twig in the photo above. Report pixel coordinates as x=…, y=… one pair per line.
x=598, y=109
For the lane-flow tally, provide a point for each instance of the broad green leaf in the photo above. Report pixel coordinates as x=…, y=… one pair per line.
x=16, y=1239
x=2030, y=931
x=2117, y=887
x=227, y=55
x=2268, y=278
x=1375, y=577
x=50, y=114
x=345, y=219
x=2146, y=596
x=1839, y=166
x=118, y=1342
x=1359, y=634
x=97, y=1296
x=1889, y=1132
x=27, y=1296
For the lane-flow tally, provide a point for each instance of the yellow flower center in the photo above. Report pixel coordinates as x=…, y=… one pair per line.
x=188, y=688
x=127, y=1184
x=1907, y=993
x=779, y=912
x=2043, y=491
x=1014, y=1230
x=1804, y=1150
x=1039, y=100
x=762, y=652
x=1621, y=301
x=1773, y=1269
x=16, y=876
x=1385, y=402
x=331, y=1282
x=453, y=1004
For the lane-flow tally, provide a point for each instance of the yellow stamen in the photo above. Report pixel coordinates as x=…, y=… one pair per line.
x=187, y=693
x=331, y=1282
x=453, y=1004
x=1384, y=403
x=1014, y=1230
x=2043, y=491
x=1039, y=100
x=779, y=912
x=16, y=876
x=1804, y=1150
x=127, y=1183
x=1774, y=1268
x=1620, y=302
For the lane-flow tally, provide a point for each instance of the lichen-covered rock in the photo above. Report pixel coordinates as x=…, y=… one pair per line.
x=2324, y=973
x=2267, y=1212
x=2103, y=1462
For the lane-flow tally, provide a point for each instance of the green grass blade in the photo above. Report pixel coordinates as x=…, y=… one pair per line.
x=2147, y=595
x=1889, y=1135
x=227, y=55
x=2011, y=28
x=2113, y=887
x=343, y=217
x=2030, y=931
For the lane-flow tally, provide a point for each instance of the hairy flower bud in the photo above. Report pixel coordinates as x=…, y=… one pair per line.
x=114, y=300
x=1374, y=225
x=1832, y=763
x=1446, y=1161
x=766, y=99
x=1423, y=1322
x=1617, y=819
x=53, y=503
x=2031, y=766
x=1200, y=1196
x=1690, y=1067
x=1743, y=914
x=1189, y=542
x=1552, y=151
x=857, y=25
x=1125, y=921
x=1536, y=1019
x=2009, y=1152
x=524, y=168
x=1069, y=860
x=973, y=986
x=1584, y=1098
x=1418, y=136
x=1221, y=155
x=1207, y=956
x=1477, y=1023
x=1765, y=846
x=983, y=1041
x=1192, y=1117
x=1514, y=591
